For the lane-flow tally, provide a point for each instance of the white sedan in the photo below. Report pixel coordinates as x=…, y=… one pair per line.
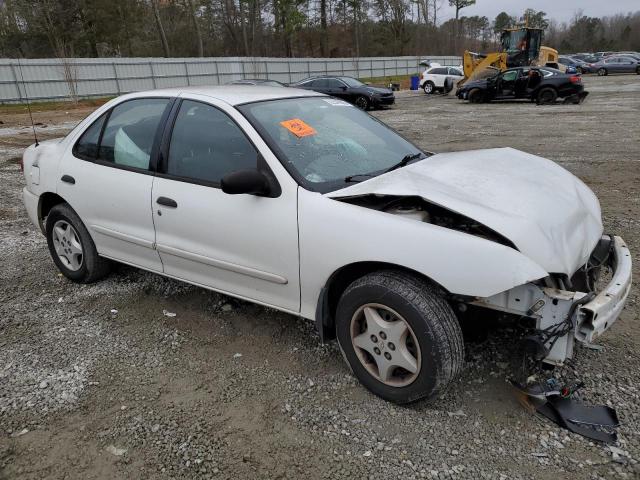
x=303, y=203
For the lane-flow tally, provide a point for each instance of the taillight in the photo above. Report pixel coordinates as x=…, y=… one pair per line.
x=22, y=164
x=575, y=79
x=421, y=76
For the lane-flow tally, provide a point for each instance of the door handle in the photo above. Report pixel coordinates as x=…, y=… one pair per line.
x=68, y=179
x=167, y=202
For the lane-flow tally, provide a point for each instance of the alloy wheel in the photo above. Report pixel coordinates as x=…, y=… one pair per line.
x=66, y=242
x=385, y=345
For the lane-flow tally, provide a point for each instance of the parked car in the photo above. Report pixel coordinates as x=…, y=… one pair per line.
x=617, y=64
x=265, y=82
x=303, y=203
x=350, y=89
x=540, y=84
x=434, y=78
x=579, y=65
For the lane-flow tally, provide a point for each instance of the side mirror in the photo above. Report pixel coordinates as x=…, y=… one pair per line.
x=249, y=181
x=343, y=87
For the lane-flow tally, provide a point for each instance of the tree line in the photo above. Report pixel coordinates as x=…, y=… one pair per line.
x=282, y=28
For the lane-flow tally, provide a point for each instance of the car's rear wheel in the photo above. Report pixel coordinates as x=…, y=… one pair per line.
x=476, y=96
x=638, y=71
x=72, y=248
x=429, y=87
x=362, y=102
x=399, y=336
x=602, y=72
x=546, y=96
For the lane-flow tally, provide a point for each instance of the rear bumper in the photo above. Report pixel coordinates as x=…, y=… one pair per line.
x=597, y=316
x=31, y=202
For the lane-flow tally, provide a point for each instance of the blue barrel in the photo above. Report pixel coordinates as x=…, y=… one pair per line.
x=415, y=82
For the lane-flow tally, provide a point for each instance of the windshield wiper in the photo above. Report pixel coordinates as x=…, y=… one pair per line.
x=359, y=177
x=356, y=177
x=405, y=160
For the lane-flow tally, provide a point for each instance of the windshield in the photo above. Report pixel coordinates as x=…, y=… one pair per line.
x=321, y=141
x=352, y=82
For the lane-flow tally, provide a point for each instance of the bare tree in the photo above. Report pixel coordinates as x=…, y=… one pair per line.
x=159, y=26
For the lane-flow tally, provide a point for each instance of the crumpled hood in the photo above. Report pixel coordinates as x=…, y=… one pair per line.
x=549, y=214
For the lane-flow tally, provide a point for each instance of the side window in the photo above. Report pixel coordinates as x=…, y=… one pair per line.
x=321, y=83
x=87, y=146
x=130, y=131
x=439, y=71
x=206, y=144
x=510, y=76
x=333, y=83
x=455, y=71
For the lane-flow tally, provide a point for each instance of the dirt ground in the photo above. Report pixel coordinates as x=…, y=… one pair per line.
x=97, y=381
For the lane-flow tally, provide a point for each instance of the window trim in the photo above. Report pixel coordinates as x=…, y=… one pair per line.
x=165, y=145
x=153, y=156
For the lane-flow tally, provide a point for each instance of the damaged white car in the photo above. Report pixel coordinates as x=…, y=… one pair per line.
x=303, y=203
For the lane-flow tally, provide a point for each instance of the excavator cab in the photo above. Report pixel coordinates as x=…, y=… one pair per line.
x=522, y=46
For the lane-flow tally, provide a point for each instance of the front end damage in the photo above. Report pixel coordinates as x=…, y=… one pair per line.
x=564, y=310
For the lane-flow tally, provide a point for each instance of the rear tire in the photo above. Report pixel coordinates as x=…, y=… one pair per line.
x=431, y=341
x=72, y=248
x=429, y=87
x=602, y=72
x=546, y=96
x=476, y=96
x=638, y=71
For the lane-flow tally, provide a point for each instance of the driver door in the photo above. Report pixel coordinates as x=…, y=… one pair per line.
x=506, y=87
x=243, y=245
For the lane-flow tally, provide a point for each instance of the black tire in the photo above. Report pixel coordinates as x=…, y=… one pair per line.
x=92, y=266
x=476, y=96
x=429, y=87
x=602, y=72
x=448, y=85
x=431, y=320
x=579, y=70
x=362, y=103
x=638, y=71
x=546, y=96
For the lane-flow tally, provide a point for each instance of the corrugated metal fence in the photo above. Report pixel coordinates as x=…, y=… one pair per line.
x=55, y=79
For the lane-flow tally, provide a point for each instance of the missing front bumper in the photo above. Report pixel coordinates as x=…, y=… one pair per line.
x=564, y=316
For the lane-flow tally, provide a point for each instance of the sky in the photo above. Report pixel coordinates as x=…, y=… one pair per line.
x=560, y=10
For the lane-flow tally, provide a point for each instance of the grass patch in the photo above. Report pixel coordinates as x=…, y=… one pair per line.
x=403, y=80
x=15, y=108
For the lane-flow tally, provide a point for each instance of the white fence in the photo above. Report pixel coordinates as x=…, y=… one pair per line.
x=54, y=79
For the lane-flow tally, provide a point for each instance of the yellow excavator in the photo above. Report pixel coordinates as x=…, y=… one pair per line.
x=520, y=47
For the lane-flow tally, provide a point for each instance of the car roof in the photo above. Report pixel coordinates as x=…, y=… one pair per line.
x=232, y=94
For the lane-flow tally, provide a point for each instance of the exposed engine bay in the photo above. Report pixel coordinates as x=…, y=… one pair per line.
x=417, y=208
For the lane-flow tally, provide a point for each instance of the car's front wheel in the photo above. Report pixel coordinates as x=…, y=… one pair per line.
x=399, y=335
x=429, y=87
x=362, y=103
x=476, y=96
x=72, y=248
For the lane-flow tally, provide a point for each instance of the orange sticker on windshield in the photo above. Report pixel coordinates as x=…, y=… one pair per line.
x=298, y=127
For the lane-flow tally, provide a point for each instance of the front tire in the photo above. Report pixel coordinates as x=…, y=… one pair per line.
x=400, y=337
x=72, y=248
x=362, y=103
x=476, y=96
x=429, y=87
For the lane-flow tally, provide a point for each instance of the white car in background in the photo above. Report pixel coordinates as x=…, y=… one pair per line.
x=301, y=202
x=433, y=78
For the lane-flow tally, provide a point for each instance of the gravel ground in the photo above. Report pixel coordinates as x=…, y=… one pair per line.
x=100, y=381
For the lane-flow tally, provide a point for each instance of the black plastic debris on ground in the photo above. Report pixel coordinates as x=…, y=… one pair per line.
x=597, y=422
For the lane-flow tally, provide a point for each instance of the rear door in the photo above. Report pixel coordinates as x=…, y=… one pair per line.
x=107, y=178
x=244, y=245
